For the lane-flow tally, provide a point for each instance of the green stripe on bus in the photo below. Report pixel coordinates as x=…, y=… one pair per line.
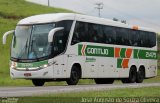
x=119, y=63
x=31, y=65
x=102, y=51
x=97, y=51
x=135, y=55
x=147, y=54
x=123, y=53
x=79, y=49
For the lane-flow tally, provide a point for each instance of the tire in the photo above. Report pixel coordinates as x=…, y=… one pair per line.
x=74, y=77
x=140, y=75
x=132, y=76
x=104, y=81
x=38, y=82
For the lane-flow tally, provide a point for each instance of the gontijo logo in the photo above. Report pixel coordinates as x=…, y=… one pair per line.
x=123, y=55
x=89, y=50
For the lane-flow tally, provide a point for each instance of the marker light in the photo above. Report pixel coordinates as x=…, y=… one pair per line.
x=135, y=27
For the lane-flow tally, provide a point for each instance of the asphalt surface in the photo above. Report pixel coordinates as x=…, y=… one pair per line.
x=31, y=91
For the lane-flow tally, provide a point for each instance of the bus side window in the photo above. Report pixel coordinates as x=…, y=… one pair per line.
x=110, y=34
x=93, y=30
x=122, y=37
x=100, y=34
x=76, y=35
x=58, y=43
x=119, y=38
x=152, y=38
x=134, y=38
x=142, y=37
x=80, y=33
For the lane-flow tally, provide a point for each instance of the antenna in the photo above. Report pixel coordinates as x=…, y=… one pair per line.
x=99, y=7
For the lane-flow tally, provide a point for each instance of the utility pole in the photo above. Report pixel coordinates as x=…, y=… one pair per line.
x=99, y=7
x=48, y=2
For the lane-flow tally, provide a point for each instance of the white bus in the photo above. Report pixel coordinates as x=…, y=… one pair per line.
x=69, y=47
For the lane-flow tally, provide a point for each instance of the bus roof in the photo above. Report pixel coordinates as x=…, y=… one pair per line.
x=55, y=17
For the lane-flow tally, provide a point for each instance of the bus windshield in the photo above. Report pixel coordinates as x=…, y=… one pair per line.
x=31, y=42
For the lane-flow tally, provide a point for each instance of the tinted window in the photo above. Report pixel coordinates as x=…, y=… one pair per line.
x=80, y=33
x=109, y=35
x=152, y=38
x=67, y=27
x=61, y=37
x=143, y=40
x=122, y=36
x=134, y=39
x=89, y=32
x=95, y=32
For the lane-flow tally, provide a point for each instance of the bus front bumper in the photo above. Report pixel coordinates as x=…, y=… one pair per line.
x=46, y=73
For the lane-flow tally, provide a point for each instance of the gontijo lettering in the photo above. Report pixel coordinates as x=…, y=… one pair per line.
x=97, y=51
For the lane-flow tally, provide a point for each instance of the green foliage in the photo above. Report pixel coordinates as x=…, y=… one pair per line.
x=127, y=92
x=17, y=9
x=11, y=11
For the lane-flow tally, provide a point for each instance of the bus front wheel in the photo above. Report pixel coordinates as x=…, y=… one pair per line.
x=74, y=77
x=38, y=82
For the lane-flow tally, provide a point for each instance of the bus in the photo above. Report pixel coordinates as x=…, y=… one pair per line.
x=69, y=47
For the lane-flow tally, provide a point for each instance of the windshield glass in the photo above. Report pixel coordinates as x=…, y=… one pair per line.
x=31, y=42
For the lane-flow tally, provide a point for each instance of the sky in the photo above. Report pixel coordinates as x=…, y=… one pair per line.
x=145, y=13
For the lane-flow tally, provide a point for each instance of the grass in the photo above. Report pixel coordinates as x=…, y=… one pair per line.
x=128, y=92
x=11, y=11
x=105, y=96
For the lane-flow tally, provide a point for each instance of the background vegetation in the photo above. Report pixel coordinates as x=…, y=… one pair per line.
x=11, y=11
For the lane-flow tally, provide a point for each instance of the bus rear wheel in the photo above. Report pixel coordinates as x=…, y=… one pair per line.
x=38, y=82
x=132, y=76
x=104, y=81
x=140, y=75
x=74, y=77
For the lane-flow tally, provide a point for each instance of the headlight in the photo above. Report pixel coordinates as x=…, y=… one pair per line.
x=44, y=66
x=13, y=65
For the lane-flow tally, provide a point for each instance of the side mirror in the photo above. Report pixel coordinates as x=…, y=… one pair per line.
x=52, y=32
x=6, y=34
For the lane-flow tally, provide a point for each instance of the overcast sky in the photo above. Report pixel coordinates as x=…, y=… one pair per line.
x=136, y=12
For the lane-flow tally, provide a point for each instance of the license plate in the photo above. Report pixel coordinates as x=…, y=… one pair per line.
x=27, y=74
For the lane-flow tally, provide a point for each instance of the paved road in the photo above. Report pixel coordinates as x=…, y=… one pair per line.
x=31, y=91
